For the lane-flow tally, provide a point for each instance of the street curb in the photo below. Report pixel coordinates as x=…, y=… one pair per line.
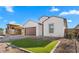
x=52, y=51
x=25, y=50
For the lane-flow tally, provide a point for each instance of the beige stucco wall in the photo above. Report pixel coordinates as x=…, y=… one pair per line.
x=58, y=27
x=39, y=30
x=32, y=24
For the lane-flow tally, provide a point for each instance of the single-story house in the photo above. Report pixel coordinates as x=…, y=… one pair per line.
x=53, y=26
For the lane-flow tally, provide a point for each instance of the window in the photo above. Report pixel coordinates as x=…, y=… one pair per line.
x=51, y=28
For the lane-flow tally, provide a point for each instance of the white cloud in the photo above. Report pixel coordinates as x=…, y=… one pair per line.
x=54, y=9
x=69, y=21
x=12, y=22
x=70, y=12
x=9, y=8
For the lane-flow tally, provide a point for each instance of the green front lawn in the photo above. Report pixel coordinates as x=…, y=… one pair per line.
x=45, y=49
x=29, y=42
x=35, y=45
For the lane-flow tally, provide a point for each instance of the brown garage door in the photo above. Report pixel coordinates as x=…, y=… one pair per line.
x=30, y=31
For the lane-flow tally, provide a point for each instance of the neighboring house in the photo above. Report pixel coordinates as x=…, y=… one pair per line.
x=74, y=31
x=77, y=30
x=77, y=27
x=14, y=29
x=48, y=26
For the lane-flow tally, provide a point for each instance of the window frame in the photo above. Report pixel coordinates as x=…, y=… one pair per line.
x=51, y=29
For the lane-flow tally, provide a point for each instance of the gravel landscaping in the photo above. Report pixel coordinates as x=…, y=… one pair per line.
x=67, y=46
x=4, y=48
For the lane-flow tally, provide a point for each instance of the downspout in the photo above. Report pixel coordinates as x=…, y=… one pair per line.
x=66, y=28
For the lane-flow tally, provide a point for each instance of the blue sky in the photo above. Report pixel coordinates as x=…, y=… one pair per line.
x=21, y=14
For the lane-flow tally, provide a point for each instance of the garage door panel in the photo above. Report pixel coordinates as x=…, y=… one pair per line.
x=31, y=31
